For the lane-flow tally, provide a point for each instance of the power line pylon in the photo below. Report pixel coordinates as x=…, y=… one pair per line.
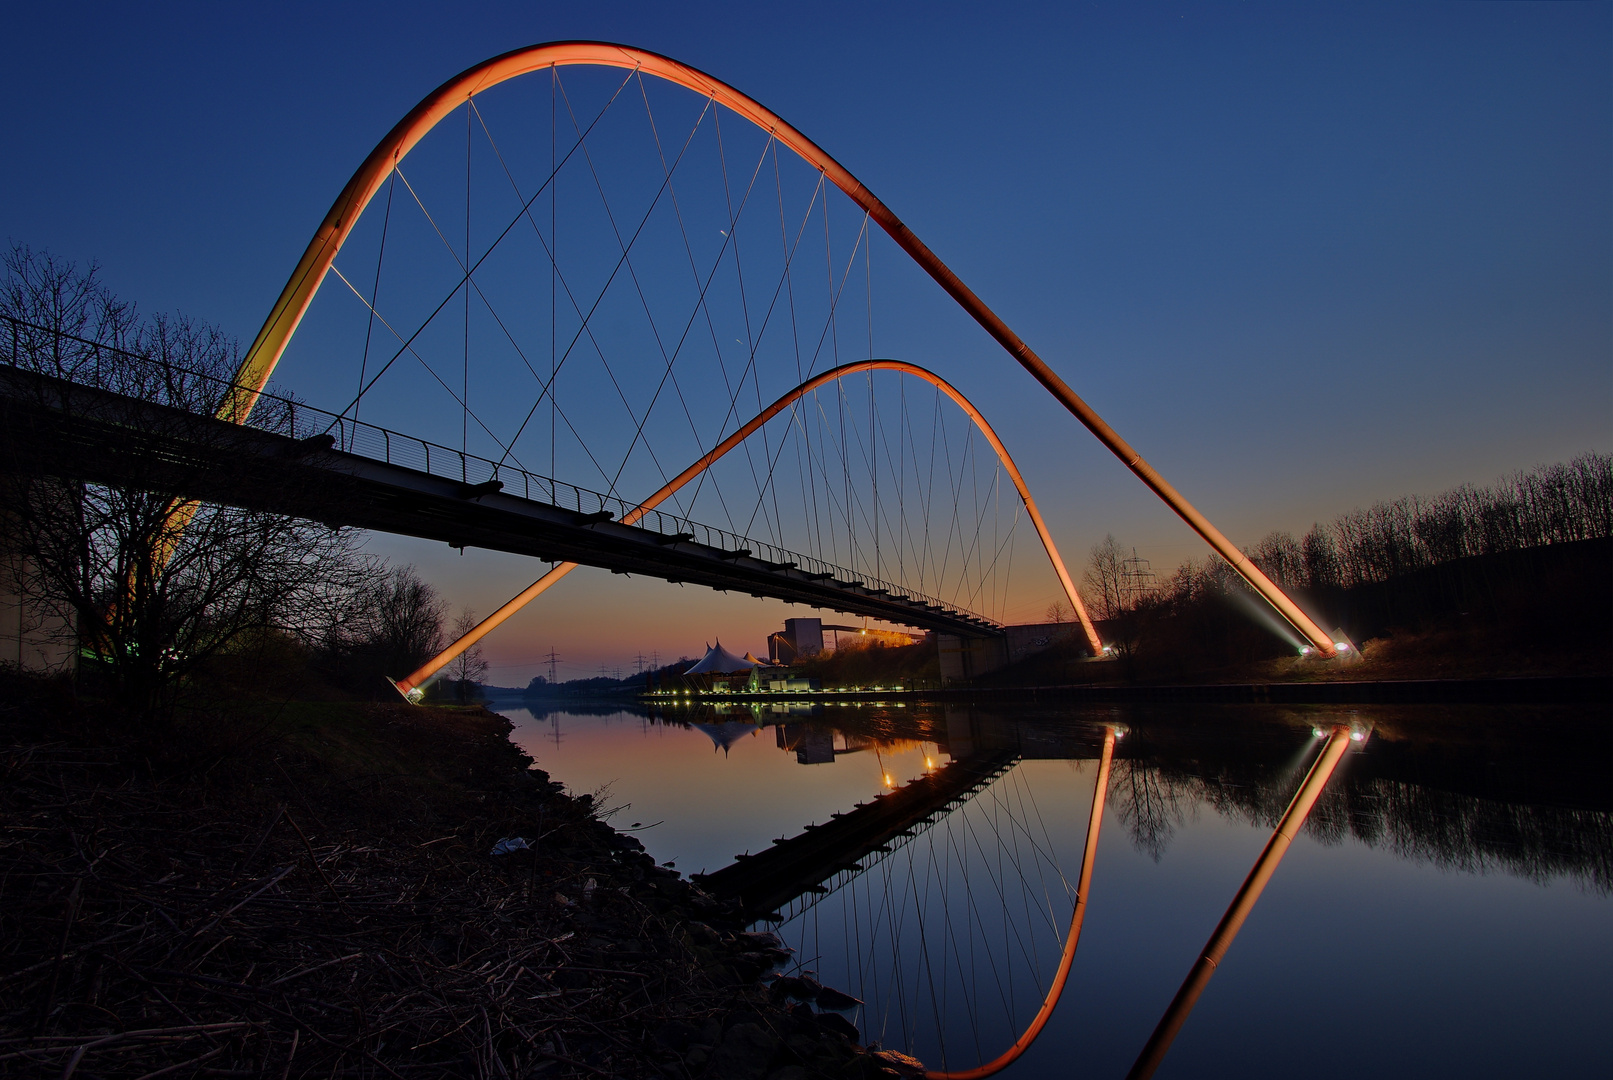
x=553, y=659
x=1137, y=579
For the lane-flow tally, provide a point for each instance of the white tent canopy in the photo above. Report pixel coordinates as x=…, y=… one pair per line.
x=728, y=733
x=719, y=661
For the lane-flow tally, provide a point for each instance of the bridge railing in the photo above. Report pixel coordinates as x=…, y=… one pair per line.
x=90, y=363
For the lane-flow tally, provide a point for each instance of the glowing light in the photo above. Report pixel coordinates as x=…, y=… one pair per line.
x=1356, y=736
x=1342, y=646
x=890, y=781
x=929, y=763
x=1318, y=733
x=1306, y=651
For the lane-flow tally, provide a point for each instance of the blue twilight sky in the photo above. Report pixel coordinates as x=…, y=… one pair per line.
x=1302, y=256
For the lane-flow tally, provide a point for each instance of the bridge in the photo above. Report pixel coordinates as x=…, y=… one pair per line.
x=411, y=487
x=676, y=176
x=902, y=528
x=768, y=880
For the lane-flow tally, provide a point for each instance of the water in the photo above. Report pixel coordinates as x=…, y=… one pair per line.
x=1446, y=910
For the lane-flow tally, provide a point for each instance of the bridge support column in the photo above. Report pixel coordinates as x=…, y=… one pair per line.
x=964, y=658
x=33, y=637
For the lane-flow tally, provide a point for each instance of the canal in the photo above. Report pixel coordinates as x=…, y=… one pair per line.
x=1447, y=908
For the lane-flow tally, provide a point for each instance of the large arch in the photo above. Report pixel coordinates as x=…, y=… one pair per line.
x=430, y=668
x=267, y=348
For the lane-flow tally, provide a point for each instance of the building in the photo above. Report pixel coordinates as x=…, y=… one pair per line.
x=799, y=639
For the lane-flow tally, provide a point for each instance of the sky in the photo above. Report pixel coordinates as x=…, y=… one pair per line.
x=1303, y=257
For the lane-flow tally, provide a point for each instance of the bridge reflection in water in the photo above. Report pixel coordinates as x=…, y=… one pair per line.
x=945, y=904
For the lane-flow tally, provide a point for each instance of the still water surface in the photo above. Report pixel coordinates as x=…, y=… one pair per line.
x=1447, y=911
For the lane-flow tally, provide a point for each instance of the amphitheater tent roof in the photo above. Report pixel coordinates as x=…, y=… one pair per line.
x=727, y=733
x=719, y=661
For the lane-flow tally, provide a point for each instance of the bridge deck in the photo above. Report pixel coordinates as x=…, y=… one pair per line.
x=53, y=427
x=768, y=880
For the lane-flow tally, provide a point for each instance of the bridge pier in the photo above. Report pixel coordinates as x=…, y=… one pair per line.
x=964, y=658
x=33, y=637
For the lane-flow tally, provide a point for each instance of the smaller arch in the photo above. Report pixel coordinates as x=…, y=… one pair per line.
x=411, y=682
x=1072, y=939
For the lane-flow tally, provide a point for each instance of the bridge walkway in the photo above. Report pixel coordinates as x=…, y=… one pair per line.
x=53, y=426
x=765, y=882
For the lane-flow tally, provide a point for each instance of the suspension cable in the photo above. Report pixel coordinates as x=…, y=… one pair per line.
x=1072, y=939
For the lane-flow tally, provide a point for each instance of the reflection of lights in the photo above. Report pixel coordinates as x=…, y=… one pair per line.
x=1341, y=646
x=1306, y=651
x=1357, y=736
x=1318, y=733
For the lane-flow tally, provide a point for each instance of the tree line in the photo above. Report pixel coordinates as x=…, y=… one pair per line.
x=1551, y=504
x=1525, y=558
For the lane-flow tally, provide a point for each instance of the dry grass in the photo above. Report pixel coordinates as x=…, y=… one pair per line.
x=318, y=900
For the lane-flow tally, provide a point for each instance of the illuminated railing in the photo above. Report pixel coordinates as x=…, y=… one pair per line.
x=83, y=362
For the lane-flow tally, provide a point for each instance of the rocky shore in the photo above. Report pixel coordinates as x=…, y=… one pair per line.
x=307, y=890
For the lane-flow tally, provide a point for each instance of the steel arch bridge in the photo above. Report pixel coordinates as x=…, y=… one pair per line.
x=412, y=486
x=384, y=160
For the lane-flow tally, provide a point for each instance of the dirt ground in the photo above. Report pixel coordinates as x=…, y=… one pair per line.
x=306, y=889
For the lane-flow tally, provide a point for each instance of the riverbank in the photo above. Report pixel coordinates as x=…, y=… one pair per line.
x=1542, y=690
x=306, y=889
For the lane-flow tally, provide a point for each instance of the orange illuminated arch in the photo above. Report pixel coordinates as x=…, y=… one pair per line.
x=267, y=347
x=488, y=625
x=1072, y=939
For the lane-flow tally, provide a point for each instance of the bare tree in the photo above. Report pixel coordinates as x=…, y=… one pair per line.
x=1150, y=804
x=389, y=628
x=1106, y=579
x=1281, y=559
x=469, y=667
x=1321, y=559
x=154, y=595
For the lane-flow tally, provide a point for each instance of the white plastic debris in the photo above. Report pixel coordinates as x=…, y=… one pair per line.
x=509, y=844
